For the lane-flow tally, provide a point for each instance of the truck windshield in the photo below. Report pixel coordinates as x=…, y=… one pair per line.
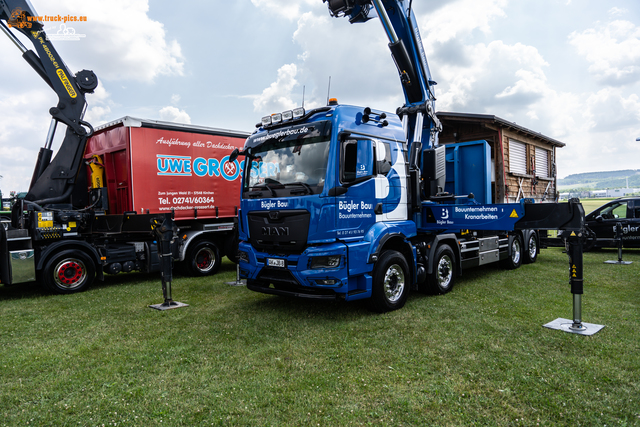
x=294, y=158
x=289, y=162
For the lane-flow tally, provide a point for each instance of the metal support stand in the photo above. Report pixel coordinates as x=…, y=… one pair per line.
x=576, y=326
x=238, y=282
x=166, y=232
x=619, y=242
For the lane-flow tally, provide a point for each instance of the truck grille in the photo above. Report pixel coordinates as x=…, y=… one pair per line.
x=279, y=231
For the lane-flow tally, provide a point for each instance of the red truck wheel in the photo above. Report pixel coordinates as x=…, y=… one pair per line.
x=69, y=271
x=202, y=259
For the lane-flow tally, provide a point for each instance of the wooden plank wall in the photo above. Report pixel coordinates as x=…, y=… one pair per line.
x=528, y=186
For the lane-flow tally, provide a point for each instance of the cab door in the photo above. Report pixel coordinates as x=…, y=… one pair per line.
x=355, y=207
x=603, y=221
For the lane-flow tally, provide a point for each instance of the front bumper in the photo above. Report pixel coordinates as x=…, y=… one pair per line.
x=296, y=278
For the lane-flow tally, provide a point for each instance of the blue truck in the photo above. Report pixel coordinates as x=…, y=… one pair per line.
x=347, y=202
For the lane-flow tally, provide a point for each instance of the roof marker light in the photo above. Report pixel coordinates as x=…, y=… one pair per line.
x=276, y=118
x=266, y=120
x=287, y=115
x=298, y=112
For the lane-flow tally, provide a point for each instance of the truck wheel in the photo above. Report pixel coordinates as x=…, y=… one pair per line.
x=531, y=255
x=69, y=271
x=231, y=246
x=515, y=259
x=444, y=267
x=202, y=259
x=390, y=282
x=591, y=240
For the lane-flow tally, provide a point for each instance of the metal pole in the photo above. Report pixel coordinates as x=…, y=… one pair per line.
x=52, y=131
x=165, y=231
x=577, y=313
x=386, y=22
x=576, y=280
x=239, y=281
x=13, y=38
x=618, y=240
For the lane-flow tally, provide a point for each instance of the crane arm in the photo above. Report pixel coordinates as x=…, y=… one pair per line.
x=400, y=25
x=53, y=180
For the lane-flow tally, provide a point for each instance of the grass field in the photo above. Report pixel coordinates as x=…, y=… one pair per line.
x=476, y=356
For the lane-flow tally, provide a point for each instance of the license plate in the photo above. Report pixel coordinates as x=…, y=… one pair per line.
x=275, y=262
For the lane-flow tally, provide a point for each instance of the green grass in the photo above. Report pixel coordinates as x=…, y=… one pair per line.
x=476, y=356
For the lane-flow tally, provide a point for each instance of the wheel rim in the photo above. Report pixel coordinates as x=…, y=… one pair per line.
x=444, y=272
x=205, y=259
x=515, y=251
x=533, y=248
x=70, y=273
x=394, y=283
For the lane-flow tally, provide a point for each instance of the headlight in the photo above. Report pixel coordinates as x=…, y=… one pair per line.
x=332, y=261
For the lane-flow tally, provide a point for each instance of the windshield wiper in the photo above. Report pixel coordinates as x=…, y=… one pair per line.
x=303, y=184
x=267, y=185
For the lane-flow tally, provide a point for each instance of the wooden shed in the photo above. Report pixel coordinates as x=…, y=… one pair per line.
x=523, y=162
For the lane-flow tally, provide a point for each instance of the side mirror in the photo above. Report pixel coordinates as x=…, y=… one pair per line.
x=599, y=218
x=234, y=155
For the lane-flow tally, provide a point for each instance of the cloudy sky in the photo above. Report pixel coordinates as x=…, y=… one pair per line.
x=569, y=69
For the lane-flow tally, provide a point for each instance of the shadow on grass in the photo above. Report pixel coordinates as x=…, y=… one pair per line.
x=36, y=289
x=304, y=307
x=23, y=290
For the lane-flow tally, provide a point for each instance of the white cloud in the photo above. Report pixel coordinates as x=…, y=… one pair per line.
x=613, y=49
x=125, y=43
x=278, y=96
x=21, y=135
x=498, y=77
x=611, y=110
x=356, y=57
x=616, y=11
x=460, y=18
x=99, y=105
x=173, y=114
x=285, y=8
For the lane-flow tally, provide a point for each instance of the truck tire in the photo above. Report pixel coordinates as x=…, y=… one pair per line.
x=69, y=271
x=514, y=260
x=391, y=281
x=591, y=240
x=441, y=280
x=231, y=246
x=531, y=254
x=202, y=259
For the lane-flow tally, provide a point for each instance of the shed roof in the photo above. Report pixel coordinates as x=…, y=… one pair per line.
x=491, y=119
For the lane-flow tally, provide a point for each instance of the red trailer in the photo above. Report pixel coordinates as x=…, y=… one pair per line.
x=146, y=167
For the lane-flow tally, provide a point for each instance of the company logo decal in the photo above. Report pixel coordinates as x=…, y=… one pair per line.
x=172, y=165
x=67, y=84
x=275, y=231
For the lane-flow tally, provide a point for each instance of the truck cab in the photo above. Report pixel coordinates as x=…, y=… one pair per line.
x=316, y=188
